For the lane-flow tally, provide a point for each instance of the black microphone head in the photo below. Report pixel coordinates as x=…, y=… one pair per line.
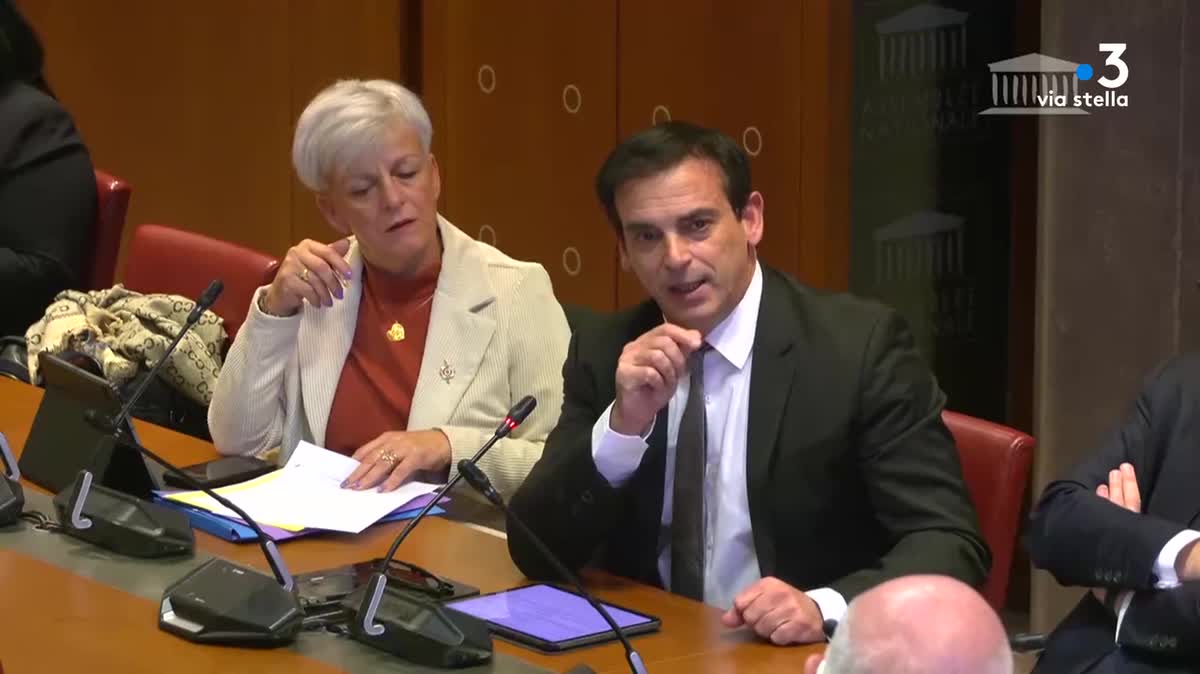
x=210, y=294
x=206, y=300
x=478, y=480
x=516, y=415
x=521, y=410
x=473, y=475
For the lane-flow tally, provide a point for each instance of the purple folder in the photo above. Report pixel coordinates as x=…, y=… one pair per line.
x=235, y=529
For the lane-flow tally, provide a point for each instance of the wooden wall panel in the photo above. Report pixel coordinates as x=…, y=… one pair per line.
x=192, y=109
x=763, y=72
x=826, y=78
x=523, y=94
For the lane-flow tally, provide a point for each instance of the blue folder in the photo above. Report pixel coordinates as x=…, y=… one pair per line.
x=237, y=532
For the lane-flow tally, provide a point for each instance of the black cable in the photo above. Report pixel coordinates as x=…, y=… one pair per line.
x=41, y=521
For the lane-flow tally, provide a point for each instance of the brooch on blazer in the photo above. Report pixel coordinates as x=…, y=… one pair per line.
x=446, y=372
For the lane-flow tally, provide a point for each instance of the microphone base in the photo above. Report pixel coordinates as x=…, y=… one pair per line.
x=12, y=501
x=422, y=631
x=127, y=525
x=232, y=605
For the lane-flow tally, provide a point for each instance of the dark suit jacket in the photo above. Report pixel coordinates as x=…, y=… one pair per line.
x=852, y=477
x=1084, y=540
x=47, y=204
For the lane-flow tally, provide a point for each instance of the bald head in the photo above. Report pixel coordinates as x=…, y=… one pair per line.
x=919, y=625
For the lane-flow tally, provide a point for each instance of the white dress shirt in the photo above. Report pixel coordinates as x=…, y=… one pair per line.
x=1164, y=570
x=730, y=561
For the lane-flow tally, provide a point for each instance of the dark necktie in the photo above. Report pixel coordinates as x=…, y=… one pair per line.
x=687, y=513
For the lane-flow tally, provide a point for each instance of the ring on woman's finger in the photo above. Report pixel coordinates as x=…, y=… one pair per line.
x=304, y=275
x=388, y=458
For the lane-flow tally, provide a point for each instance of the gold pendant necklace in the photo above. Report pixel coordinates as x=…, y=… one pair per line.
x=395, y=333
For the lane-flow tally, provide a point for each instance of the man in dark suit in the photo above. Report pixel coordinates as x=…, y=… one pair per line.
x=778, y=495
x=47, y=186
x=1125, y=523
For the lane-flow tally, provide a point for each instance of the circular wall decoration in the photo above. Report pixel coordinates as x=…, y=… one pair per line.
x=661, y=114
x=487, y=234
x=486, y=78
x=572, y=262
x=752, y=141
x=572, y=99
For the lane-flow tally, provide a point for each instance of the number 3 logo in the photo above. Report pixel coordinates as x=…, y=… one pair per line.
x=1114, y=49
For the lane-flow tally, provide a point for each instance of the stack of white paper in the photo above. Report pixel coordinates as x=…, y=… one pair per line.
x=307, y=493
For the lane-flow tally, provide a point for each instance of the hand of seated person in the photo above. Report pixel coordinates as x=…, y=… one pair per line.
x=647, y=372
x=311, y=271
x=1122, y=488
x=394, y=456
x=778, y=612
x=1122, y=491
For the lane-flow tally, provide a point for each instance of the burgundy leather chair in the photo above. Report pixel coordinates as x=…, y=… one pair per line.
x=112, y=205
x=996, y=462
x=166, y=260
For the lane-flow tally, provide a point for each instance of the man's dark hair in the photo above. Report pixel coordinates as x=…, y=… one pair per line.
x=663, y=147
x=21, y=55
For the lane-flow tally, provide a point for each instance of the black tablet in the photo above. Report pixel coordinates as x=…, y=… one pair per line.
x=62, y=441
x=551, y=619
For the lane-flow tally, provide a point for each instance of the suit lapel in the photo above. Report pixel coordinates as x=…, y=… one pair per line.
x=777, y=356
x=460, y=328
x=325, y=337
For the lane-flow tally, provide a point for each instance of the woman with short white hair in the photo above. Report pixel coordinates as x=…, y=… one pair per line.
x=403, y=343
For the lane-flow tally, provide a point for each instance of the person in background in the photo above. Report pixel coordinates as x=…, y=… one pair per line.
x=403, y=343
x=741, y=439
x=917, y=625
x=1125, y=524
x=47, y=183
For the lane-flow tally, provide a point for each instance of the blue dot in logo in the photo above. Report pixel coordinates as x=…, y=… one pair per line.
x=1084, y=72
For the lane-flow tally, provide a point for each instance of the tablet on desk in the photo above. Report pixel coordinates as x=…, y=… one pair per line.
x=551, y=619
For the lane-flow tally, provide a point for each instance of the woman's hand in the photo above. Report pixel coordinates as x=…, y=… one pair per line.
x=311, y=271
x=394, y=456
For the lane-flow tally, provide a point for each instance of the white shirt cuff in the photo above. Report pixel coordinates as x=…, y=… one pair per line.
x=617, y=456
x=1164, y=566
x=1122, y=605
x=830, y=601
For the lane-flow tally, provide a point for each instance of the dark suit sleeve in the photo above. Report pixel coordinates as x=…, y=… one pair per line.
x=565, y=499
x=911, y=469
x=1082, y=538
x=1163, y=622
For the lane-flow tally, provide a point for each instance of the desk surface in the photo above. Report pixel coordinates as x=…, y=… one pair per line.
x=111, y=630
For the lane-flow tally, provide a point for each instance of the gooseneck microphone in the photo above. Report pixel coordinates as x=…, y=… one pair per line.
x=219, y=602
x=115, y=520
x=480, y=482
x=412, y=627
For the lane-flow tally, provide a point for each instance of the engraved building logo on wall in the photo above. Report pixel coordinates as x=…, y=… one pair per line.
x=923, y=81
x=920, y=252
x=922, y=40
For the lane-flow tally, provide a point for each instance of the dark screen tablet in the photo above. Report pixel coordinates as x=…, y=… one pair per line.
x=62, y=441
x=551, y=619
